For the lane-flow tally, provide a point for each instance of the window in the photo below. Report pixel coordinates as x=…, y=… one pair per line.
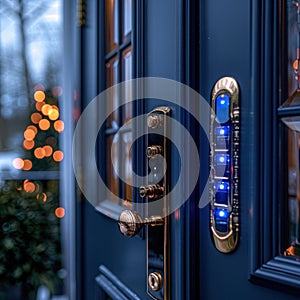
x=30, y=152
x=291, y=84
x=118, y=67
x=275, y=227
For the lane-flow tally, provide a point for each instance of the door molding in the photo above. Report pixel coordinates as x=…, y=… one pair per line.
x=266, y=265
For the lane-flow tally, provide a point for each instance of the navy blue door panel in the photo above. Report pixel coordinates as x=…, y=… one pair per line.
x=231, y=40
x=196, y=43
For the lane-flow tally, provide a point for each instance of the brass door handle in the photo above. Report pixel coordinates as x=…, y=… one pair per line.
x=130, y=222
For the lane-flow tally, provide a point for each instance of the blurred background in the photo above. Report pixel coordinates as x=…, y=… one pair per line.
x=31, y=128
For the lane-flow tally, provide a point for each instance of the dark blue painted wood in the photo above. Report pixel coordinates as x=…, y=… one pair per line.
x=109, y=288
x=288, y=111
x=236, y=39
x=114, y=284
x=253, y=64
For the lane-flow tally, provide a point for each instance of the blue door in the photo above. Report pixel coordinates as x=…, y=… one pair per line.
x=226, y=184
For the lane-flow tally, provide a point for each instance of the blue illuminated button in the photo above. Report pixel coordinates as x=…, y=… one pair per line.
x=222, y=213
x=222, y=108
x=222, y=159
x=222, y=131
x=221, y=217
x=222, y=186
x=222, y=165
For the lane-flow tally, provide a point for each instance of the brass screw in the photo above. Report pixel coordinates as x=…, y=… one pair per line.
x=151, y=191
x=153, y=150
x=154, y=121
x=155, y=281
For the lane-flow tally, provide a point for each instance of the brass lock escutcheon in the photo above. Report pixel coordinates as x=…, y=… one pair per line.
x=155, y=188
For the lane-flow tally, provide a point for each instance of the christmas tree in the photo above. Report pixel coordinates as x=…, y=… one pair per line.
x=41, y=136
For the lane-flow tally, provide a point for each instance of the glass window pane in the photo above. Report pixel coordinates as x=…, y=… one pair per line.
x=127, y=18
x=30, y=94
x=293, y=205
x=112, y=165
x=293, y=53
x=30, y=88
x=112, y=79
x=127, y=163
x=127, y=74
x=111, y=25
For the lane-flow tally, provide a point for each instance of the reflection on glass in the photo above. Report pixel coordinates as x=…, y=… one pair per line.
x=111, y=25
x=112, y=165
x=111, y=79
x=127, y=74
x=293, y=135
x=127, y=18
x=293, y=52
x=31, y=60
x=127, y=163
x=119, y=68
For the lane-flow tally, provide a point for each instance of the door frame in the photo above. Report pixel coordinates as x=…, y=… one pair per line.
x=268, y=205
x=265, y=265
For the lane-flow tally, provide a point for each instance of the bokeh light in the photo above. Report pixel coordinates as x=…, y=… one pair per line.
x=296, y=64
x=58, y=155
x=57, y=91
x=35, y=118
x=48, y=150
x=59, y=126
x=44, y=124
x=39, y=96
x=60, y=212
x=45, y=109
x=27, y=165
x=39, y=105
x=41, y=197
x=29, y=134
x=18, y=163
x=33, y=128
x=39, y=153
x=28, y=145
x=39, y=87
x=29, y=186
x=53, y=114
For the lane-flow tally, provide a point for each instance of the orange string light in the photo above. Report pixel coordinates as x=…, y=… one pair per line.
x=39, y=96
x=58, y=155
x=44, y=124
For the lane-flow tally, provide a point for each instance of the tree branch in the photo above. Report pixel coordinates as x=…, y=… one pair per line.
x=37, y=12
x=8, y=7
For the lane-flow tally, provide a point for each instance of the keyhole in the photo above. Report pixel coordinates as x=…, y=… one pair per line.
x=155, y=281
